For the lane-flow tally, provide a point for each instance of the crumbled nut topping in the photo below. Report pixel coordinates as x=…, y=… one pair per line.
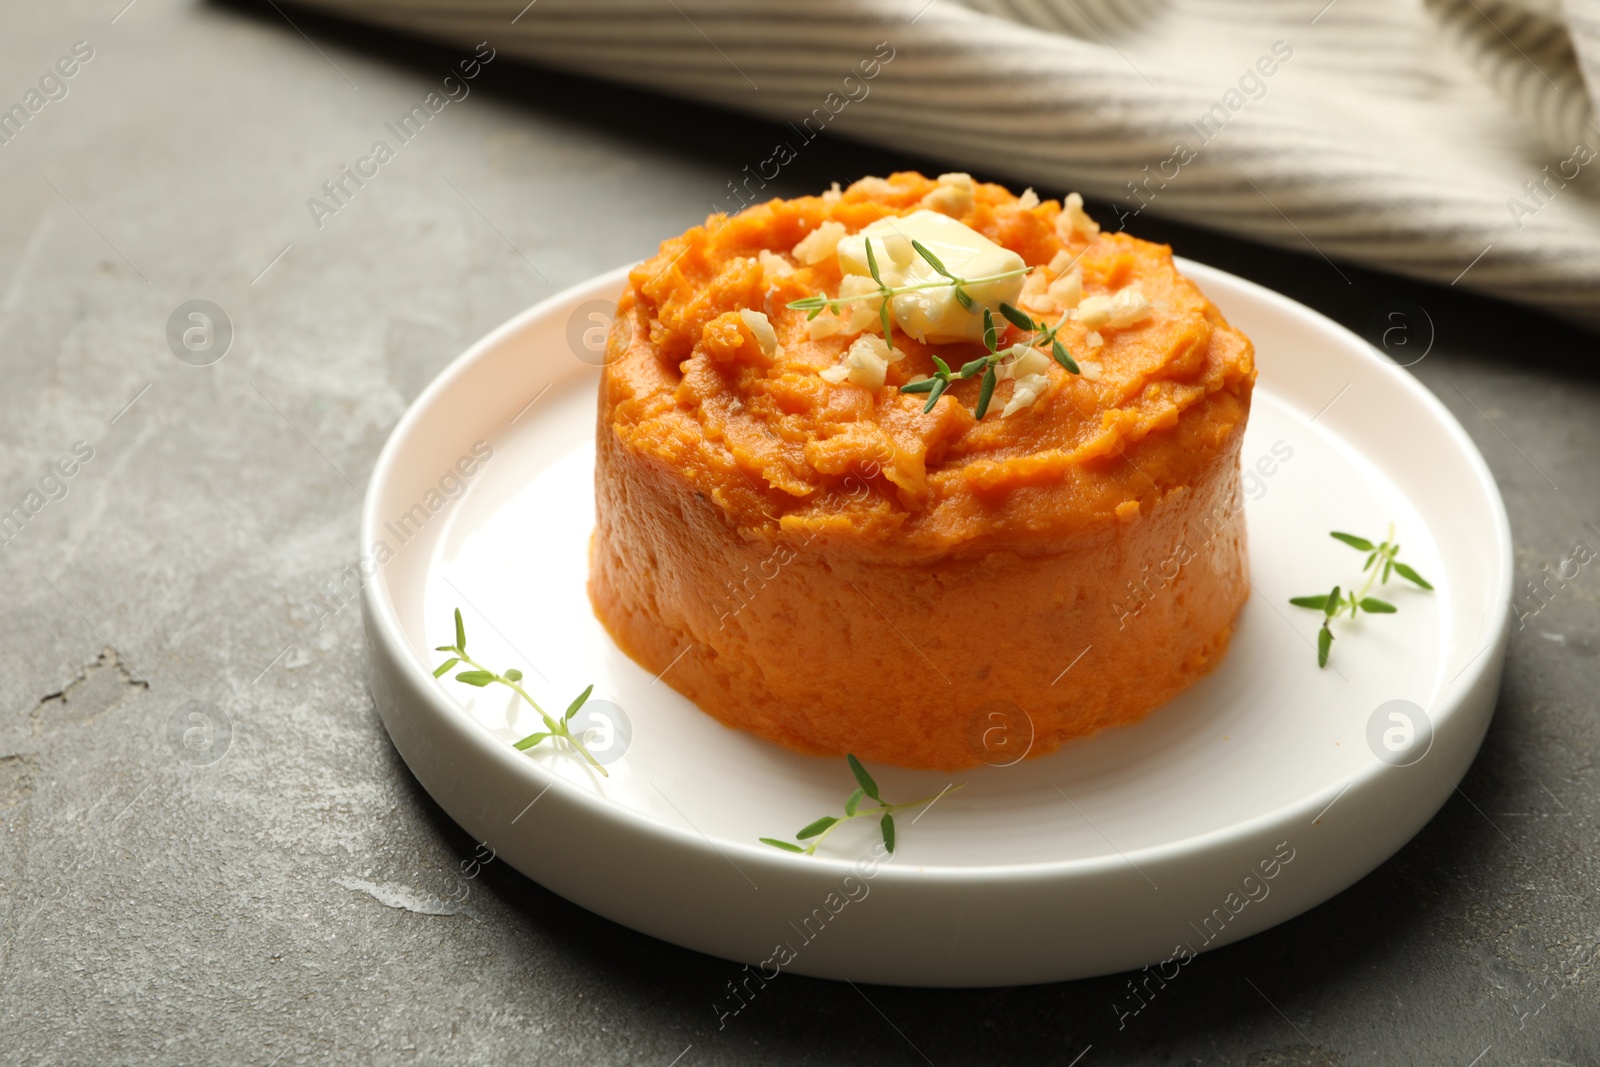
x=820, y=244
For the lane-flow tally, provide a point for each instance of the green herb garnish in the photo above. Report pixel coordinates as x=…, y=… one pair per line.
x=962, y=296
x=866, y=790
x=936, y=385
x=1382, y=562
x=1044, y=335
x=958, y=285
x=887, y=294
x=943, y=376
x=481, y=676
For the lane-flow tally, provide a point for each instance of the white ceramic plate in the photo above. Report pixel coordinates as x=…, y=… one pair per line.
x=1254, y=796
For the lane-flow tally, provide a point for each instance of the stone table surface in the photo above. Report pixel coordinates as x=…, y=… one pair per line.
x=287, y=903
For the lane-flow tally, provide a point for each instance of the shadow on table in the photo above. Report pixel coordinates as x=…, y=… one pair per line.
x=1235, y=991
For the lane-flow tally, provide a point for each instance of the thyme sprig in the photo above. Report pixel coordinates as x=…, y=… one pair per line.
x=883, y=305
x=482, y=676
x=1044, y=335
x=885, y=293
x=1382, y=562
x=856, y=807
x=943, y=376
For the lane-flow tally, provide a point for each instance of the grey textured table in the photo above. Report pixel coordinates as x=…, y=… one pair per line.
x=299, y=900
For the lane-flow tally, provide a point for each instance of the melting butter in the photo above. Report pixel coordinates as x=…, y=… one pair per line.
x=934, y=315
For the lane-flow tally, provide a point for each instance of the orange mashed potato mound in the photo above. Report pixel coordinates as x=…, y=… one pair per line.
x=829, y=568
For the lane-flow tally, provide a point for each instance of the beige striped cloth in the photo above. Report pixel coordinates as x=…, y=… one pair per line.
x=1449, y=140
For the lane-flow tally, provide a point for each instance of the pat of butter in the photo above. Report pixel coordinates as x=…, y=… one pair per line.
x=934, y=314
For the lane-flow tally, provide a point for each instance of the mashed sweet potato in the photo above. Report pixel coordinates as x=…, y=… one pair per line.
x=825, y=565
